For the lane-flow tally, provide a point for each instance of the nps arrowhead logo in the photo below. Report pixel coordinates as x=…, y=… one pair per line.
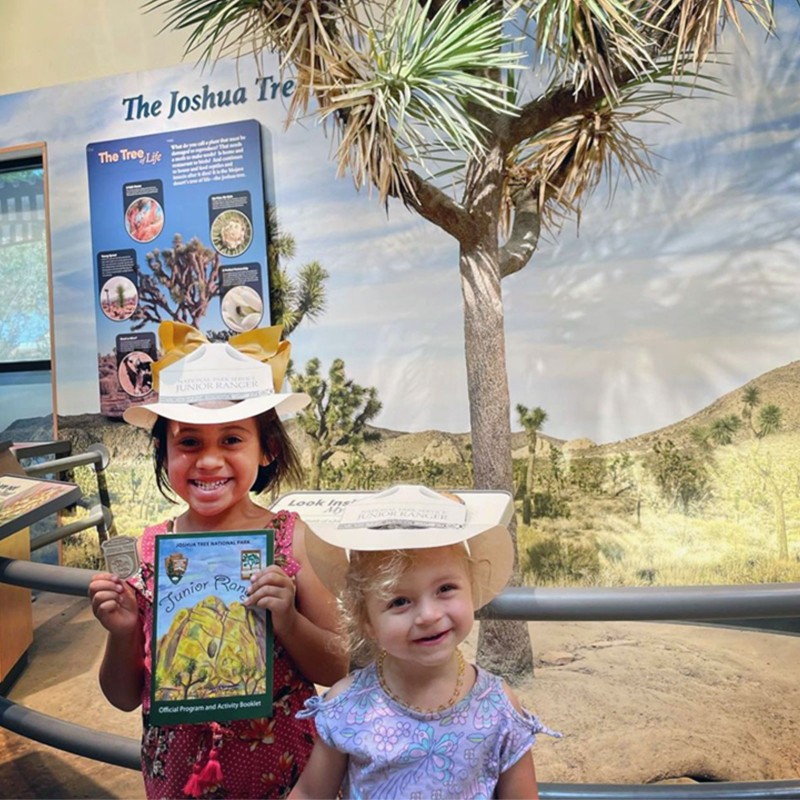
x=176, y=565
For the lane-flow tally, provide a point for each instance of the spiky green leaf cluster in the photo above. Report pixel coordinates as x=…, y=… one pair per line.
x=402, y=82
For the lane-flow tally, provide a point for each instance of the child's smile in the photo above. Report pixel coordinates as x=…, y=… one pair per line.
x=432, y=640
x=207, y=486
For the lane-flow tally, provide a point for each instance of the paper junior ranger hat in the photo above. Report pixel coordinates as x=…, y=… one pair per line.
x=408, y=517
x=200, y=382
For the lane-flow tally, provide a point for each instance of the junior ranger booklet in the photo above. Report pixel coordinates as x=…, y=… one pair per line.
x=211, y=655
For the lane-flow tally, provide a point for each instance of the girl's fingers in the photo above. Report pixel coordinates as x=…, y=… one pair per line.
x=105, y=582
x=106, y=606
x=271, y=588
x=113, y=588
x=271, y=576
x=106, y=594
x=260, y=592
x=263, y=592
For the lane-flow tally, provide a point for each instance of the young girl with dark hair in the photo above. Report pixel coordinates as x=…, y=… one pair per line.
x=217, y=438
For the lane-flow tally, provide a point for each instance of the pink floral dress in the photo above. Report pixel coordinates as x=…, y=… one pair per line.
x=243, y=758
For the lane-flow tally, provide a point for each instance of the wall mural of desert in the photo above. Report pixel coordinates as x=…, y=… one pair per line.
x=712, y=499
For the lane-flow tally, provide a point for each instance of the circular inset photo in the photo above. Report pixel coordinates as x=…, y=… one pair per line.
x=231, y=233
x=118, y=298
x=242, y=308
x=135, y=373
x=144, y=219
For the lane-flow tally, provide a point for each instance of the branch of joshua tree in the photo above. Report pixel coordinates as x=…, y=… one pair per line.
x=524, y=235
x=436, y=206
x=686, y=33
x=540, y=114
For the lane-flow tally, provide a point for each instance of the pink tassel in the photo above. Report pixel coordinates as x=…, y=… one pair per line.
x=193, y=788
x=212, y=771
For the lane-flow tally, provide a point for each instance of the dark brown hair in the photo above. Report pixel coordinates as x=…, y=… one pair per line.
x=284, y=462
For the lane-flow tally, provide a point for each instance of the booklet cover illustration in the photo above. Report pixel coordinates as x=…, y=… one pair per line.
x=211, y=655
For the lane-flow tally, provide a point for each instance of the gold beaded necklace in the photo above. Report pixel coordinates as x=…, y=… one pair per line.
x=462, y=666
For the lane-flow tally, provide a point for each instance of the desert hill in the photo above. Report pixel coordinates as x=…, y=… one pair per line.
x=780, y=386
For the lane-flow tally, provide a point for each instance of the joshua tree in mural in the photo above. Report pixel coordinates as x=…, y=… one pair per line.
x=189, y=272
x=681, y=474
x=770, y=420
x=770, y=416
x=724, y=429
x=532, y=420
x=751, y=398
x=337, y=415
x=292, y=299
x=720, y=432
x=405, y=81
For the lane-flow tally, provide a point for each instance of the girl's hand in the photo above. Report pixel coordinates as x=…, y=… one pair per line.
x=122, y=668
x=114, y=604
x=273, y=589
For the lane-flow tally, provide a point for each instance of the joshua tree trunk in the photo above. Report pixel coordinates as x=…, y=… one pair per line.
x=504, y=644
x=315, y=474
x=527, y=510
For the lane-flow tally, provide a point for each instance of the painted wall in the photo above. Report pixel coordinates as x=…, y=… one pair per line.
x=59, y=41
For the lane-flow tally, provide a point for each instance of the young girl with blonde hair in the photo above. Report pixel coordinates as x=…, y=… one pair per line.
x=410, y=567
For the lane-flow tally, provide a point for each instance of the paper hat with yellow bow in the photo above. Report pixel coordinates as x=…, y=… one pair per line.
x=203, y=383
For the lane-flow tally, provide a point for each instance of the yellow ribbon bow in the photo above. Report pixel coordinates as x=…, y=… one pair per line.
x=264, y=344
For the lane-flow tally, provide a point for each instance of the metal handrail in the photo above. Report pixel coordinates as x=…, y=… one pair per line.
x=753, y=790
x=648, y=603
x=624, y=604
x=123, y=751
x=67, y=463
x=45, y=577
x=96, y=455
x=99, y=517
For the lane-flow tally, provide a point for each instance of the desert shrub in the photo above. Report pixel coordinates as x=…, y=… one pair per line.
x=588, y=474
x=612, y=550
x=682, y=475
x=546, y=504
x=82, y=550
x=554, y=559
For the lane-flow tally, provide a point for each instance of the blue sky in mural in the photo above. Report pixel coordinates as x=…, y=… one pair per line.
x=680, y=290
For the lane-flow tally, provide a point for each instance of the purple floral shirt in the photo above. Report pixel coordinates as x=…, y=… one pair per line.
x=396, y=752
